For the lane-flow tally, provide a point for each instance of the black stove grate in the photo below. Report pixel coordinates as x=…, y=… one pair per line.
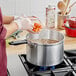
x=66, y=68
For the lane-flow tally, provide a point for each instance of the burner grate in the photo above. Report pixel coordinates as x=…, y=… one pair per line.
x=33, y=70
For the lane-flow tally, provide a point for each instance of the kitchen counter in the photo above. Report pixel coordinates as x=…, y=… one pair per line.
x=69, y=44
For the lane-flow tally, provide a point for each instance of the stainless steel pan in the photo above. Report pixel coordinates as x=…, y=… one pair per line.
x=44, y=54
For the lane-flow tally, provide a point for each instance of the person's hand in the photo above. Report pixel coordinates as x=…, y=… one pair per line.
x=31, y=23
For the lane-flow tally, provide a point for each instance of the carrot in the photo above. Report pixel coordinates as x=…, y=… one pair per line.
x=37, y=27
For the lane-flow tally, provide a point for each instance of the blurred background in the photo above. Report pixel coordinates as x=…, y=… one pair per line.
x=29, y=7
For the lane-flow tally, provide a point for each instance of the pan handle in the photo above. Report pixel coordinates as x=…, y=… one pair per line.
x=18, y=42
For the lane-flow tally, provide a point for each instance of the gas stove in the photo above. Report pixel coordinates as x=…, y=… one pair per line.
x=19, y=66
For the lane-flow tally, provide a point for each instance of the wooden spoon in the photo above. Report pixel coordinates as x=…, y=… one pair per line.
x=65, y=1
x=61, y=6
x=67, y=4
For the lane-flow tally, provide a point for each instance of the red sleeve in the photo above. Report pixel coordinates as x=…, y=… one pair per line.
x=2, y=33
x=2, y=29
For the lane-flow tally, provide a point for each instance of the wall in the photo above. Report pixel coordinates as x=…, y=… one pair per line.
x=28, y=7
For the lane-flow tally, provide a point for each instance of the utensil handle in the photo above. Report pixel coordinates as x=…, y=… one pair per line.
x=71, y=7
x=18, y=42
x=68, y=1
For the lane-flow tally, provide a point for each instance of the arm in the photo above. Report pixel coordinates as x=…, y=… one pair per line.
x=22, y=23
x=11, y=28
x=8, y=19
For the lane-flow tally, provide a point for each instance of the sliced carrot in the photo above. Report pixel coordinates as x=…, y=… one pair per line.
x=37, y=27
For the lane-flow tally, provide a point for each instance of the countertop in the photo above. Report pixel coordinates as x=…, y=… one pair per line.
x=69, y=44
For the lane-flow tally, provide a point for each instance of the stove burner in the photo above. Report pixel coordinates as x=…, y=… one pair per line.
x=43, y=68
x=52, y=67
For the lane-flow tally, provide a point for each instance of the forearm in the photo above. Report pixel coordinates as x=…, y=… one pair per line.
x=11, y=28
x=8, y=19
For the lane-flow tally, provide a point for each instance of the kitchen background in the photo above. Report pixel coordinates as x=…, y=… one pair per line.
x=29, y=7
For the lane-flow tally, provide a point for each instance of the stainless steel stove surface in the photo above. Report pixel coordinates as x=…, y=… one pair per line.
x=19, y=66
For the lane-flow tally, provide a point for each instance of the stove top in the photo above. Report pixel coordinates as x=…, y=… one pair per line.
x=19, y=66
